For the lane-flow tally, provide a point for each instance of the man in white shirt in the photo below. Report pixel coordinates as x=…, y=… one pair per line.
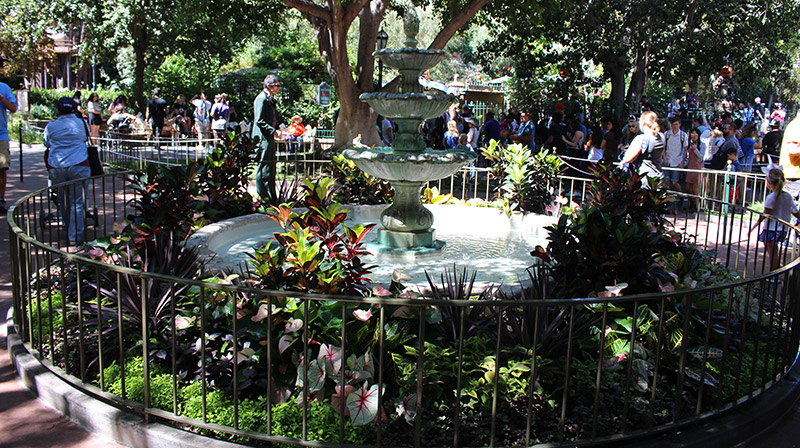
x=387, y=130
x=676, y=153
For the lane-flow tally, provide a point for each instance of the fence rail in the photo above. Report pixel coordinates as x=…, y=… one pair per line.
x=253, y=364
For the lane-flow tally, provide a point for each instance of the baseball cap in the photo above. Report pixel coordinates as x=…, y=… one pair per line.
x=65, y=105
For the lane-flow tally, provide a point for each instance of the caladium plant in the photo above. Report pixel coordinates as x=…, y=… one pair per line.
x=359, y=393
x=363, y=404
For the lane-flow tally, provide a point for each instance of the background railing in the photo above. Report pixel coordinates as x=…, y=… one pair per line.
x=504, y=370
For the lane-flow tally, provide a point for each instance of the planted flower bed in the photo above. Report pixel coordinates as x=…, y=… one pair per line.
x=303, y=345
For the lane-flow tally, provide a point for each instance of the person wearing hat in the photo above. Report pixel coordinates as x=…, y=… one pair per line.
x=773, y=138
x=473, y=132
x=296, y=131
x=67, y=160
x=155, y=113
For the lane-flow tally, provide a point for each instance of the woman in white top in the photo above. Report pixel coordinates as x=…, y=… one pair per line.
x=473, y=133
x=93, y=108
x=779, y=204
x=595, y=144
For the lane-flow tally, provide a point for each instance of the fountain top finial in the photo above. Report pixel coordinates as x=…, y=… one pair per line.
x=411, y=27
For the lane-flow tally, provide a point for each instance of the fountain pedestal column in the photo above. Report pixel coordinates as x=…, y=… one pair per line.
x=407, y=223
x=408, y=164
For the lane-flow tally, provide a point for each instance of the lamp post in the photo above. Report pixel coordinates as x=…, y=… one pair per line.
x=383, y=38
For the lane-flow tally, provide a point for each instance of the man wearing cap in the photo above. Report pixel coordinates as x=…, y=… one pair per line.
x=265, y=127
x=68, y=160
x=8, y=103
x=772, y=141
x=156, y=113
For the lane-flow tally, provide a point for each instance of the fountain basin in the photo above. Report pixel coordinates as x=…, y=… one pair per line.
x=479, y=238
x=423, y=166
x=414, y=105
x=411, y=58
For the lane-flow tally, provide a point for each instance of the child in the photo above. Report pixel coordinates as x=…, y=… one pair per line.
x=733, y=161
x=780, y=205
x=296, y=131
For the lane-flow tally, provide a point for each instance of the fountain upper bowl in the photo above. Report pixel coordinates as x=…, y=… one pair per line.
x=411, y=58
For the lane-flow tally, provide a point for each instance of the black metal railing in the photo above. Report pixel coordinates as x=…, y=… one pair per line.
x=223, y=357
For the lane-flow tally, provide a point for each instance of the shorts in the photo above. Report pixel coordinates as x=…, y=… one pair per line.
x=5, y=155
x=673, y=175
x=771, y=236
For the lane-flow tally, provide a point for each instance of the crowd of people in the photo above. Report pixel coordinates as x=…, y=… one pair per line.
x=197, y=117
x=744, y=139
x=677, y=148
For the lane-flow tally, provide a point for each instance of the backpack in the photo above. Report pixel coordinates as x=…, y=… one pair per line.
x=718, y=160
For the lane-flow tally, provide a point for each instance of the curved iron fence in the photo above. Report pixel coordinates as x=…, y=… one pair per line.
x=223, y=357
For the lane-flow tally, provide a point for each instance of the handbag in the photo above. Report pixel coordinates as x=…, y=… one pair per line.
x=95, y=164
x=94, y=160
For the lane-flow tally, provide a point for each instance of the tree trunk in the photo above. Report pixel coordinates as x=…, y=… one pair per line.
x=139, y=36
x=355, y=118
x=331, y=23
x=614, y=67
x=638, y=76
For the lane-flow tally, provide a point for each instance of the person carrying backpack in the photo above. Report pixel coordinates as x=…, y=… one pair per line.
x=202, y=117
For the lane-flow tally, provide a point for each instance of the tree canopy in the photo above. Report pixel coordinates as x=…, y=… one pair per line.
x=625, y=44
x=680, y=42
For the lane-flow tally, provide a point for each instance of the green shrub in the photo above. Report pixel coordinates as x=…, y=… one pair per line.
x=525, y=181
x=287, y=417
x=42, y=112
x=28, y=136
x=160, y=383
x=357, y=187
x=179, y=74
x=56, y=317
x=49, y=97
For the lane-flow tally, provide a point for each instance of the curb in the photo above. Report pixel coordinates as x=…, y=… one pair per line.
x=128, y=428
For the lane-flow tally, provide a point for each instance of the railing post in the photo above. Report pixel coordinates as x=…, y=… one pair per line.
x=21, y=133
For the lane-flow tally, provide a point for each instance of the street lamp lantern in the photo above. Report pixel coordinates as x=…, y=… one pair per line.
x=383, y=38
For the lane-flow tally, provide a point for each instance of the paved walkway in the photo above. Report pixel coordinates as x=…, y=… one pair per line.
x=27, y=422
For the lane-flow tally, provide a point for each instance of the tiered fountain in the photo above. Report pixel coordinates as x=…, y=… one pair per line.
x=484, y=239
x=408, y=164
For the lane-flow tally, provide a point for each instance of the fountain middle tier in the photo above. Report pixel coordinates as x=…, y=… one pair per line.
x=411, y=105
x=430, y=164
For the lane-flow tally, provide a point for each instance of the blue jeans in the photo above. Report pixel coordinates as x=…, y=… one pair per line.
x=295, y=143
x=71, y=198
x=747, y=163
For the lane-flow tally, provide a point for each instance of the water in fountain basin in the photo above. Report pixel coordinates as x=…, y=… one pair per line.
x=482, y=239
